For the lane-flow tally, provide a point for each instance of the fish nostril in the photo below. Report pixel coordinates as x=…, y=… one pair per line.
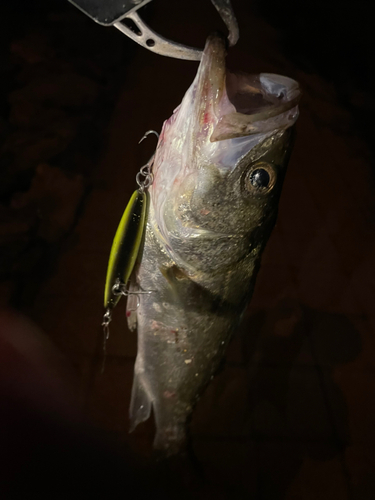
x=150, y=42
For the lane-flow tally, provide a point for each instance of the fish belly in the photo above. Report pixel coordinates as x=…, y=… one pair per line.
x=183, y=330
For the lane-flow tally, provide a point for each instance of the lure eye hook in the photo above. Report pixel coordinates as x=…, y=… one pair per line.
x=146, y=183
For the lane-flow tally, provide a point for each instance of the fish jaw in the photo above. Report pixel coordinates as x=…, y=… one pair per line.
x=185, y=136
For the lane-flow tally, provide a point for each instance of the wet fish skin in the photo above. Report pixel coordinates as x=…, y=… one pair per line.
x=207, y=227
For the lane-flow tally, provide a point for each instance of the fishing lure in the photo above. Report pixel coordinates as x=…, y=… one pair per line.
x=127, y=244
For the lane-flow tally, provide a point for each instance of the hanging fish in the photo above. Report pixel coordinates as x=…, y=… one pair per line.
x=217, y=178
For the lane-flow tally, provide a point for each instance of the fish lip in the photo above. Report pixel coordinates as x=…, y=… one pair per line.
x=210, y=84
x=213, y=58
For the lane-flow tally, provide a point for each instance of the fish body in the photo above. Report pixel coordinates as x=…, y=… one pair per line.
x=218, y=173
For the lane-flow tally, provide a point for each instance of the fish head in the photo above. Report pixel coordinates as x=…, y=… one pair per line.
x=220, y=162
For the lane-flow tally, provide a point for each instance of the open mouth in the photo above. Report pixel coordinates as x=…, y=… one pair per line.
x=255, y=94
x=259, y=103
x=244, y=104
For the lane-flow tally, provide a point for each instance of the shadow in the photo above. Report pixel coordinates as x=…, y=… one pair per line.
x=295, y=408
x=61, y=75
x=48, y=449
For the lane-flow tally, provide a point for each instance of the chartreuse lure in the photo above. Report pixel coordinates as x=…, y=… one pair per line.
x=125, y=248
x=127, y=244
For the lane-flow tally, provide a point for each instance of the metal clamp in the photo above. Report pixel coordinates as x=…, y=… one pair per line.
x=122, y=15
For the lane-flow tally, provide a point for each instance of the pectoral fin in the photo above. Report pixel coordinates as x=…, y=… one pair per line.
x=140, y=404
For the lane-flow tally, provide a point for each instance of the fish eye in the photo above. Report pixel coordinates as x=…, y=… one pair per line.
x=260, y=178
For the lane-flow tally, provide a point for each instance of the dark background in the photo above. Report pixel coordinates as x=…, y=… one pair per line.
x=291, y=415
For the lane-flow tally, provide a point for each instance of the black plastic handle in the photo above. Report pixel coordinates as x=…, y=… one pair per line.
x=107, y=12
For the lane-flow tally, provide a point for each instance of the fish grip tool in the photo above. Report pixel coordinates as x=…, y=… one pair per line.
x=123, y=15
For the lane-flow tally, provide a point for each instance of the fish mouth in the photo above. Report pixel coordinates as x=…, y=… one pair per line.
x=237, y=104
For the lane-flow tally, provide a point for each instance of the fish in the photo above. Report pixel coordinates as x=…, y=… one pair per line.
x=218, y=171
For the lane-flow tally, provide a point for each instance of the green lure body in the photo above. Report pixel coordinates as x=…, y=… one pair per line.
x=125, y=247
